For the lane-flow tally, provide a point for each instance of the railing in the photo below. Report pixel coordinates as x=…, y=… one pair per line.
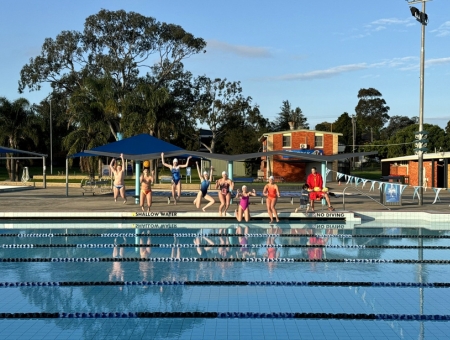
x=343, y=197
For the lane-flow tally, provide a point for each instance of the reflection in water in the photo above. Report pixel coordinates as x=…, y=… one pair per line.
x=236, y=241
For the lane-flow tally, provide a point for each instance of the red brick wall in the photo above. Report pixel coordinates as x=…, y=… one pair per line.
x=414, y=176
x=295, y=172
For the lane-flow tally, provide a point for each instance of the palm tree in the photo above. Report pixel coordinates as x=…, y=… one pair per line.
x=17, y=123
x=89, y=114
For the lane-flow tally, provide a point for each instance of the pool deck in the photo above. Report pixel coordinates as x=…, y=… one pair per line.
x=362, y=204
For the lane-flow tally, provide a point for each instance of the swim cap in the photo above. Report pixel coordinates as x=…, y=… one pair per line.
x=146, y=164
x=175, y=160
x=205, y=172
x=271, y=177
x=244, y=186
x=224, y=172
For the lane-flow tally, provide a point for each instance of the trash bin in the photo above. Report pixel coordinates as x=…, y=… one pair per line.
x=390, y=194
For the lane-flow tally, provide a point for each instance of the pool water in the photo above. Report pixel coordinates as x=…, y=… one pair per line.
x=109, y=280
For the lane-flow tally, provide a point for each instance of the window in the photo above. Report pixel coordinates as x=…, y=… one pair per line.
x=287, y=140
x=318, y=141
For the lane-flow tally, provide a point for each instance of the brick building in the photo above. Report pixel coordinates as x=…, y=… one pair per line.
x=299, y=141
x=436, y=172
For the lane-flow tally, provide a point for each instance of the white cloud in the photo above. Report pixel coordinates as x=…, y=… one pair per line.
x=390, y=21
x=438, y=61
x=240, y=50
x=443, y=30
x=327, y=73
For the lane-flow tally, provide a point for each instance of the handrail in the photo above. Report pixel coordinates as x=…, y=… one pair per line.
x=343, y=197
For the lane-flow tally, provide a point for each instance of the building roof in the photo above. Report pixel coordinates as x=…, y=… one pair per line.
x=298, y=130
x=4, y=149
x=437, y=155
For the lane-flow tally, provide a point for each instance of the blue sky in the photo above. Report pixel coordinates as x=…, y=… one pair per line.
x=316, y=54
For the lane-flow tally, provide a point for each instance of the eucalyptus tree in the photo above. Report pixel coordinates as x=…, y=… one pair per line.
x=371, y=112
x=218, y=100
x=114, y=44
x=18, y=127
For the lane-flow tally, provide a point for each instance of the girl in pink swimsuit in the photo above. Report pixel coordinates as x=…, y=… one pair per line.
x=243, y=207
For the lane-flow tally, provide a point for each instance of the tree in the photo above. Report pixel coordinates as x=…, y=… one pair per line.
x=397, y=123
x=402, y=143
x=17, y=123
x=344, y=125
x=324, y=126
x=287, y=115
x=371, y=112
x=218, y=100
x=114, y=46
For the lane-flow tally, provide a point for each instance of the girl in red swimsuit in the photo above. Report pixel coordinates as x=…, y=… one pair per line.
x=272, y=193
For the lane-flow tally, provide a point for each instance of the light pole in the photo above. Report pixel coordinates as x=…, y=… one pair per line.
x=421, y=142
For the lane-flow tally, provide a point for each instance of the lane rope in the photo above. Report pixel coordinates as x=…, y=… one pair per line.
x=227, y=283
x=224, y=315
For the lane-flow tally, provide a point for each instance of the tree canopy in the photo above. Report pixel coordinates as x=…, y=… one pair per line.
x=371, y=112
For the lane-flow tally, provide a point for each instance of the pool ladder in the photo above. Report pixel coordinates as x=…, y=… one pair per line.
x=362, y=193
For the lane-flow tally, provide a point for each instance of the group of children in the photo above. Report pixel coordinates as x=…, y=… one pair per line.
x=224, y=185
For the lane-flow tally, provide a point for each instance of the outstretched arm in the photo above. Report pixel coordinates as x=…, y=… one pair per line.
x=265, y=191
x=123, y=163
x=198, y=171
x=253, y=192
x=211, y=174
x=187, y=163
x=152, y=178
x=163, y=163
x=111, y=165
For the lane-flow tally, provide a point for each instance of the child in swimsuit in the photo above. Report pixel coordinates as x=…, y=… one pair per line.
x=203, y=193
x=225, y=186
x=272, y=193
x=176, y=176
x=243, y=207
x=119, y=179
x=146, y=181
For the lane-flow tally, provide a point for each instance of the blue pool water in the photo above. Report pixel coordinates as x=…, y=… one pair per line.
x=216, y=280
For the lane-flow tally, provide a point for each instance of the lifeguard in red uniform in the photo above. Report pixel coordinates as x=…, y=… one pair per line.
x=316, y=189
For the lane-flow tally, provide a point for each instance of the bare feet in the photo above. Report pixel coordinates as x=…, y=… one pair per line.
x=142, y=207
x=125, y=202
x=203, y=209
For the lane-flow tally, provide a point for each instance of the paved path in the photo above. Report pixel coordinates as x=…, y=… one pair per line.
x=53, y=199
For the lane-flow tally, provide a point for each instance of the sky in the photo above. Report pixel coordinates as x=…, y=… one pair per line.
x=316, y=54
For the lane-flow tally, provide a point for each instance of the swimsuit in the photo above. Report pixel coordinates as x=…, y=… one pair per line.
x=244, y=244
x=204, y=187
x=146, y=192
x=176, y=175
x=271, y=192
x=271, y=253
x=244, y=202
x=118, y=186
x=225, y=188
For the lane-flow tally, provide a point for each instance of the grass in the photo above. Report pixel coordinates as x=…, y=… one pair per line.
x=367, y=174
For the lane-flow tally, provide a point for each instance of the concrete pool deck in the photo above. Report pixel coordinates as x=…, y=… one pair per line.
x=360, y=204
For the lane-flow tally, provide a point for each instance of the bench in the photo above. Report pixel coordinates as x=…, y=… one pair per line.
x=92, y=185
x=165, y=179
x=243, y=179
x=400, y=179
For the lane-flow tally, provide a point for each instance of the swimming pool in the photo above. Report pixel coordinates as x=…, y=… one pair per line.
x=221, y=280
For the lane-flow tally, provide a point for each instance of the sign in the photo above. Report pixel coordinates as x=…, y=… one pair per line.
x=392, y=193
x=188, y=171
x=305, y=151
x=105, y=171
